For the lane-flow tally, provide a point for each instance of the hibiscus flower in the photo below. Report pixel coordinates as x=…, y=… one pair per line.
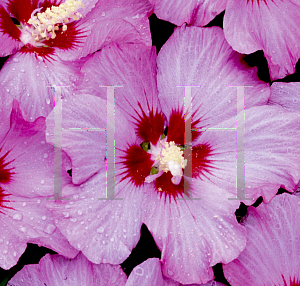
x=180, y=189
x=249, y=26
x=26, y=179
x=271, y=256
x=44, y=36
x=58, y=270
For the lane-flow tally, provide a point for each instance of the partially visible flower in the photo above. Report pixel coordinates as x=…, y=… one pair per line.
x=191, y=12
x=193, y=233
x=268, y=25
x=149, y=273
x=46, y=35
x=26, y=180
x=271, y=256
x=56, y=270
x=249, y=26
x=286, y=94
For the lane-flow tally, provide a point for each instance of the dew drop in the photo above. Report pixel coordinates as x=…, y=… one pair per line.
x=42, y=182
x=46, y=155
x=139, y=271
x=79, y=212
x=47, y=100
x=103, y=14
x=18, y=217
x=24, y=204
x=50, y=228
x=100, y=229
x=44, y=217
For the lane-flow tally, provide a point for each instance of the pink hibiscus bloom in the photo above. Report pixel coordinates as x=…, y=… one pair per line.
x=249, y=26
x=192, y=12
x=192, y=234
x=149, y=273
x=26, y=179
x=57, y=270
x=45, y=35
x=271, y=256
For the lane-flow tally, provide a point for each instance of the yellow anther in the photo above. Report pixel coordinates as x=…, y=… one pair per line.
x=171, y=152
x=53, y=18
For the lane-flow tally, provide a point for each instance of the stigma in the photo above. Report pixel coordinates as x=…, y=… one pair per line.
x=168, y=157
x=44, y=26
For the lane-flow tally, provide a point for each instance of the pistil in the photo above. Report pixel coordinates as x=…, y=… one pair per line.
x=168, y=158
x=43, y=26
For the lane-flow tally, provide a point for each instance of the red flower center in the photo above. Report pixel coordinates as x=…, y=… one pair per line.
x=139, y=163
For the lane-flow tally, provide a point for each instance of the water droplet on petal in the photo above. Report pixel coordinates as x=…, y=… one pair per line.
x=50, y=228
x=79, y=212
x=18, y=217
x=44, y=217
x=42, y=182
x=45, y=155
x=100, y=229
x=139, y=270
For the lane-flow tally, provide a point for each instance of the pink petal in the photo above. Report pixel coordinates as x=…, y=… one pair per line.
x=272, y=253
x=245, y=26
x=9, y=34
x=199, y=234
x=104, y=230
x=27, y=77
x=149, y=273
x=113, y=21
x=193, y=57
x=286, y=94
x=196, y=13
x=271, y=151
x=88, y=6
x=58, y=270
x=28, y=221
x=30, y=159
x=132, y=67
x=86, y=147
x=6, y=102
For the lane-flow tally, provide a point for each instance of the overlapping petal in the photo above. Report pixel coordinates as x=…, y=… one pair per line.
x=270, y=26
x=104, y=230
x=113, y=21
x=200, y=231
x=272, y=253
x=201, y=58
x=197, y=13
x=30, y=159
x=28, y=78
x=286, y=94
x=54, y=270
x=149, y=273
x=26, y=179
